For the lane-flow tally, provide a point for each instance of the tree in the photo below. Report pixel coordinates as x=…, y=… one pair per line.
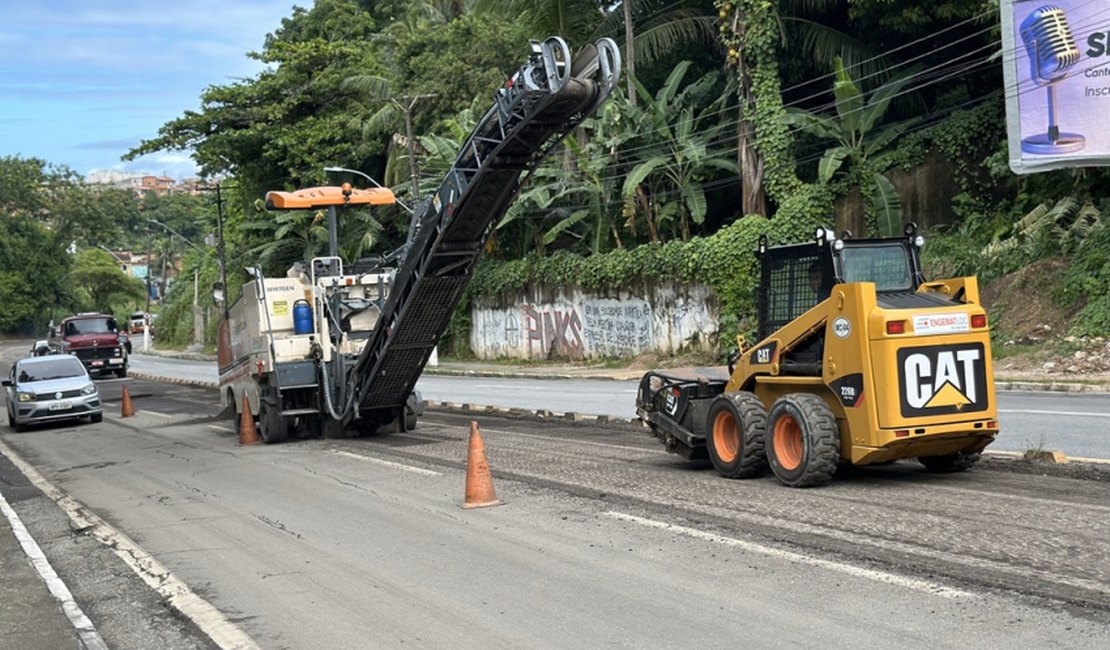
x=33, y=264
x=282, y=127
x=98, y=275
x=679, y=131
x=859, y=142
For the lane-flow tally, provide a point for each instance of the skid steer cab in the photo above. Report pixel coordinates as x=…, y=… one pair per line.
x=859, y=360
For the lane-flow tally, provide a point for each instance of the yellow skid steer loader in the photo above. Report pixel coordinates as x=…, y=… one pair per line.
x=859, y=360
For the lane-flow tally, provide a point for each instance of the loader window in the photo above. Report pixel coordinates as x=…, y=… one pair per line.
x=887, y=266
x=789, y=290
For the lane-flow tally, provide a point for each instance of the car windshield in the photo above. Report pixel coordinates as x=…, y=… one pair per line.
x=885, y=265
x=90, y=326
x=59, y=368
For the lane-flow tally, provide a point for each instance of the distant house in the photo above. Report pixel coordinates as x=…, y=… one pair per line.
x=131, y=264
x=143, y=184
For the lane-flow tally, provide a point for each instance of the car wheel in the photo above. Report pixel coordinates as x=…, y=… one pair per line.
x=121, y=372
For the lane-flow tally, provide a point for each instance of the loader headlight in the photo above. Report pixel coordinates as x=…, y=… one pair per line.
x=919, y=241
x=838, y=245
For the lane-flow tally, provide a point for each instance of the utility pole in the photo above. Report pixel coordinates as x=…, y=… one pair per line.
x=220, y=247
x=406, y=105
x=146, y=314
x=630, y=55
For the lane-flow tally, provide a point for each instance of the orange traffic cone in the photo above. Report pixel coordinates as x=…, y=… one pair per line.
x=126, y=410
x=247, y=433
x=479, y=481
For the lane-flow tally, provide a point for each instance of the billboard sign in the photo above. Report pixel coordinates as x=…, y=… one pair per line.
x=1056, y=60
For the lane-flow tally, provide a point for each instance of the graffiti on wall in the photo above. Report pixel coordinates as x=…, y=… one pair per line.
x=552, y=332
x=590, y=328
x=576, y=325
x=617, y=328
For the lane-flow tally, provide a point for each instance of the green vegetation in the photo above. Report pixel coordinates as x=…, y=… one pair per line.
x=739, y=118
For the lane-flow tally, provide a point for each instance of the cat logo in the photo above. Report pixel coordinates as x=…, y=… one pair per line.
x=942, y=379
x=765, y=354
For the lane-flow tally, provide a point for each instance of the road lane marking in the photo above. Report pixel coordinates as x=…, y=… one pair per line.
x=925, y=586
x=388, y=463
x=210, y=620
x=221, y=428
x=90, y=638
x=156, y=413
x=1036, y=412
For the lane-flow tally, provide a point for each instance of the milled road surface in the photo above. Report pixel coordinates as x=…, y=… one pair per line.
x=1076, y=424
x=603, y=539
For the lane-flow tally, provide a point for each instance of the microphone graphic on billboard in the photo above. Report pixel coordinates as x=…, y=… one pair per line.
x=1052, y=52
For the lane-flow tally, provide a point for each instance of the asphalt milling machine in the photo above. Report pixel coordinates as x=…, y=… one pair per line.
x=859, y=360
x=329, y=350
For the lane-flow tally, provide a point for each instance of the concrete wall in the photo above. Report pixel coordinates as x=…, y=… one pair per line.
x=568, y=323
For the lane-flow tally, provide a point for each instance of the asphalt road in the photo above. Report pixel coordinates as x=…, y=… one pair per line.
x=1077, y=424
x=603, y=540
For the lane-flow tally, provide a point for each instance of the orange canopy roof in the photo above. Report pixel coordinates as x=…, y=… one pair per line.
x=320, y=197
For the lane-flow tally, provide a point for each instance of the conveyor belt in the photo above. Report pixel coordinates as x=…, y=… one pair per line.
x=546, y=99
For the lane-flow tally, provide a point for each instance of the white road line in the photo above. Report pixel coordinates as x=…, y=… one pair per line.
x=221, y=428
x=1035, y=412
x=156, y=413
x=388, y=463
x=90, y=639
x=925, y=586
x=210, y=620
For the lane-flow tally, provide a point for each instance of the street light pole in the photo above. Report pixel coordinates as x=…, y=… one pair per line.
x=146, y=326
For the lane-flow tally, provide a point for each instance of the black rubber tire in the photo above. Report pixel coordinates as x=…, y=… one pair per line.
x=410, y=413
x=96, y=417
x=238, y=415
x=734, y=435
x=803, y=440
x=272, y=427
x=11, y=420
x=949, y=464
x=121, y=372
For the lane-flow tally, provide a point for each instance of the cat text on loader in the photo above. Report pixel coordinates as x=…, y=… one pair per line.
x=859, y=360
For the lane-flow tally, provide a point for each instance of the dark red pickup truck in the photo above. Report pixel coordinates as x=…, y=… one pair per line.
x=95, y=340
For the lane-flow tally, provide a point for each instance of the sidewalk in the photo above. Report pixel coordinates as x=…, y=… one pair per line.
x=1008, y=381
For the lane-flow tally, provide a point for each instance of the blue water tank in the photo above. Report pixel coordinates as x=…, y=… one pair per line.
x=302, y=317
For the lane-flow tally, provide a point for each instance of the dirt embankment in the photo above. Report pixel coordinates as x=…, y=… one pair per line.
x=1031, y=328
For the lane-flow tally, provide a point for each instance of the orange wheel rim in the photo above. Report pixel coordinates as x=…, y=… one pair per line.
x=726, y=437
x=788, y=442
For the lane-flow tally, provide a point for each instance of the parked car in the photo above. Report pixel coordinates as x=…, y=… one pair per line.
x=49, y=388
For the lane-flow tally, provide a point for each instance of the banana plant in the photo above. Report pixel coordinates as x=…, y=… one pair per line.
x=860, y=141
x=679, y=131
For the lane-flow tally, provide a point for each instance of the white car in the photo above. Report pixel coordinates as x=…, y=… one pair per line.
x=49, y=388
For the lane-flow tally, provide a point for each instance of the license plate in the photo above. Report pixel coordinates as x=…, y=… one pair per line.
x=61, y=406
x=98, y=363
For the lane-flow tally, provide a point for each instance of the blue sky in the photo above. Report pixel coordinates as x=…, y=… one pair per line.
x=83, y=81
